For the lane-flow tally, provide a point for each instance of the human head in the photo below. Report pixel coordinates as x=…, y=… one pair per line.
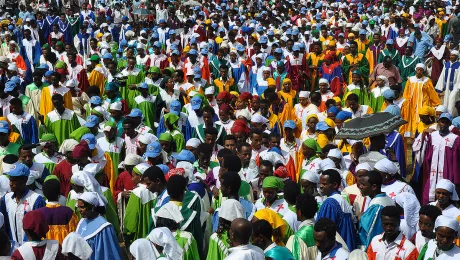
x=427, y=218
x=240, y=232
x=324, y=234
x=261, y=233
x=176, y=187
x=154, y=179
x=370, y=184
x=329, y=182
x=306, y=207
x=230, y=184
x=390, y=220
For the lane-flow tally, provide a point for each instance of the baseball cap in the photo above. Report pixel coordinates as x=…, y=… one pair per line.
x=153, y=149
x=446, y=115
x=192, y=52
x=196, y=103
x=185, y=155
x=289, y=124
x=135, y=112
x=91, y=121
x=322, y=126
x=143, y=85
x=4, y=127
x=19, y=170
x=90, y=139
x=95, y=100
x=175, y=107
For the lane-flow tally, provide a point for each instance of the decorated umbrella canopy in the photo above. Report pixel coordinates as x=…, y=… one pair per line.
x=370, y=125
x=141, y=11
x=192, y=3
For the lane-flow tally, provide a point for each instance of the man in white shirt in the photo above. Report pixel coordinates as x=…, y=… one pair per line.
x=240, y=233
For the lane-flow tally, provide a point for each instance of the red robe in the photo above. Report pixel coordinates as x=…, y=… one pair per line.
x=124, y=182
x=39, y=253
x=64, y=172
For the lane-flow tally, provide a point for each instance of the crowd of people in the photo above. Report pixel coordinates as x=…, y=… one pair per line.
x=213, y=130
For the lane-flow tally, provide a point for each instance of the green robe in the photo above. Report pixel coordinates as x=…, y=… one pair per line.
x=188, y=243
x=362, y=66
x=363, y=94
x=305, y=234
x=377, y=98
x=178, y=139
x=134, y=77
x=192, y=201
x=110, y=210
x=218, y=247
x=49, y=163
x=394, y=54
x=198, y=132
x=61, y=125
x=11, y=148
x=148, y=106
x=115, y=149
x=78, y=133
x=138, y=213
x=407, y=68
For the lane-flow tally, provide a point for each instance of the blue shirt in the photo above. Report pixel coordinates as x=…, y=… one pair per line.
x=421, y=46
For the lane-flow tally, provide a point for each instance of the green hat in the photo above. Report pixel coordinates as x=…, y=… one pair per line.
x=46, y=46
x=171, y=118
x=60, y=65
x=273, y=182
x=52, y=177
x=48, y=138
x=154, y=69
x=60, y=43
x=94, y=57
x=312, y=144
x=371, y=22
x=166, y=137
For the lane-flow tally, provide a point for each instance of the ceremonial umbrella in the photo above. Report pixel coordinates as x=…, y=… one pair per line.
x=192, y=3
x=370, y=125
x=141, y=11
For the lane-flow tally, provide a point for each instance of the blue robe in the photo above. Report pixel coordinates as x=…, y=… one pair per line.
x=395, y=142
x=236, y=75
x=370, y=223
x=29, y=131
x=332, y=209
x=36, y=53
x=66, y=29
x=104, y=243
x=48, y=25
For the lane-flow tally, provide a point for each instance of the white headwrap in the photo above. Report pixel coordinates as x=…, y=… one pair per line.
x=71, y=83
x=304, y=94
x=141, y=168
x=442, y=108
x=310, y=176
x=244, y=113
x=448, y=186
x=193, y=142
x=116, y=106
x=147, y=138
x=420, y=65
x=133, y=159
x=142, y=249
x=321, y=81
x=231, y=209
x=454, y=52
x=163, y=237
x=411, y=207
x=274, y=157
x=93, y=198
x=93, y=168
x=386, y=166
x=257, y=118
x=209, y=90
x=363, y=166
x=87, y=181
x=443, y=221
x=74, y=243
x=327, y=164
x=33, y=176
x=140, y=45
x=335, y=153
x=169, y=211
x=67, y=146
x=385, y=80
x=188, y=168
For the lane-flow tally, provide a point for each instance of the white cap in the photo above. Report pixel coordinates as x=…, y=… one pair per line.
x=304, y=94
x=12, y=66
x=443, y=221
x=193, y=142
x=310, y=176
x=116, y=106
x=231, y=209
x=363, y=166
x=209, y=90
x=386, y=166
x=448, y=186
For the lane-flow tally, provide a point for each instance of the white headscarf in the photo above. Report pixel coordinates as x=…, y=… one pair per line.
x=310, y=176
x=142, y=249
x=448, y=186
x=169, y=211
x=386, y=166
x=244, y=113
x=67, y=146
x=74, y=243
x=443, y=221
x=231, y=209
x=411, y=207
x=93, y=198
x=88, y=182
x=33, y=177
x=163, y=237
x=193, y=142
x=133, y=159
x=363, y=166
x=257, y=118
x=147, y=138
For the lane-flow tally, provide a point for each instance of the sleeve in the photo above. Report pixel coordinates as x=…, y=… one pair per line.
x=132, y=215
x=346, y=68
x=34, y=130
x=39, y=203
x=433, y=96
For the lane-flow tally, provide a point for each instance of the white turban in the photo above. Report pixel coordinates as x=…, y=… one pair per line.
x=442, y=109
x=321, y=81
x=133, y=159
x=209, y=90
x=327, y=164
x=448, y=186
x=74, y=243
x=443, y=221
x=231, y=209
x=142, y=249
x=116, y=106
x=386, y=166
x=454, y=52
x=363, y=166
x=420, y=65
x=169, y=211
x=257, y=118
x=188, y=168
x=163, y=237
x=304, y=94
x=93, y=198
x=193, y=142
x=147, y=138
x=335, y=153
x=310, y=176
x=244, y=113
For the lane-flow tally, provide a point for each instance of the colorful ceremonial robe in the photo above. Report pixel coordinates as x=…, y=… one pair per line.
x=358, y=59
x=115, y=150
x=138, y=212
x=46, y=104
x=61, y=220
x=61, y=125
x=26, y=126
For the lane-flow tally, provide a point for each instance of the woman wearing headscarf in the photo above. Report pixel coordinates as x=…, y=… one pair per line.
x=96, y=230
x=165, y=244
x=446, y=197
x=281, y=230
x=309, y=156
x=75, y=247
x=410, y=207
x=310, y=131
x=376, y=96
x=143, y=249
x=37, y=247
x=358, y=87
x=287, y=93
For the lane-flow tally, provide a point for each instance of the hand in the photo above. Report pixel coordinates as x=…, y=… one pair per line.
x=132, y=86
x=392, y=155
x=125, y=194
x=41, y=118
x=211, y=211
x=215, y=192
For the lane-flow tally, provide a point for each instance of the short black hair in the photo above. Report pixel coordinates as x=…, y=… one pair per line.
x=263, y=228
x=57, y=97
x=334, y=176
x=232, y=163
x=176, y=186
x=180, y=73
x=153, y=173
x=255, y=131
x=205, y=148
x=229, y=137
x=266, y=163
x=392, y=212
x=315, y=97
x=353, y=97
x=16, y=102
x=330, y=102
x=224, y=151
x=328, y=147
x=430, y=211
x=241, y=145
x=211, y=131
x=271, y=96
x=51, y=189
x=374, y=178
x=274, y=135
x=263, y=101
x=291, y=191
x=232, y=180
x=93, y=91
x=307, y=205
x=209, y=109
x=326, y=225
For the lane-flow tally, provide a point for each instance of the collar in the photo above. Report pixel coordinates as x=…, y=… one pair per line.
x=23, y=195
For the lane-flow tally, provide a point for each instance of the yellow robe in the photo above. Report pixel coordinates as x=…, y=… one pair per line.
x=419, y=93
x=97, y=78
x=288, y=97
x=46, y=105
x=322, y=140
x=59, y=232
x=362, y=46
